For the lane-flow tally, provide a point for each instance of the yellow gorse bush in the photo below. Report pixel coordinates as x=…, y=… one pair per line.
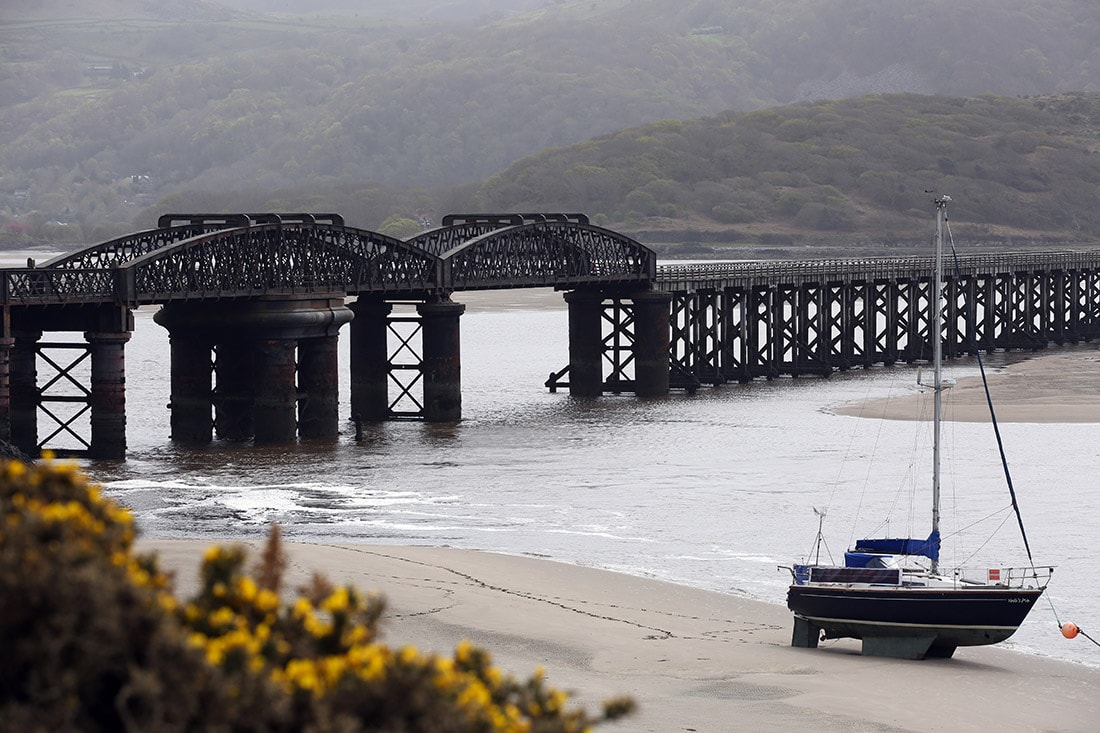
x=235, y=655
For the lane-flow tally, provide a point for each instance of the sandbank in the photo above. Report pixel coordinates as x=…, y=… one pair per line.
x=694, y=660
x=1055, y=386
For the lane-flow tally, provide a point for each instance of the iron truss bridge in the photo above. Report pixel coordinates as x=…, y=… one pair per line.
x=254, y=304
x=203, y=257
x=739, y=321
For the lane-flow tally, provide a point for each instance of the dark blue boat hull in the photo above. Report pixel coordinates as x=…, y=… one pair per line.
x=945, y=619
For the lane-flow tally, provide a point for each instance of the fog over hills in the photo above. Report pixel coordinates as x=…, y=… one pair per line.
x=114, y=109
x=434, y=9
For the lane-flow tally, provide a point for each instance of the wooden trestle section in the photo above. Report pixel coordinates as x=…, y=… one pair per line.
x=741, y=321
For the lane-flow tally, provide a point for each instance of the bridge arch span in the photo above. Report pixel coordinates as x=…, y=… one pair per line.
x=457, y=229
x=273, y=259
x=563, y=254
x=119, y=251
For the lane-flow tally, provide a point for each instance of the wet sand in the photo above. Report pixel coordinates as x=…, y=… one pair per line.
x=694, y=660
x=1055, y=386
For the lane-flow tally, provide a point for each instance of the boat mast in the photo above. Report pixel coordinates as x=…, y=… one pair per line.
x=937, y=362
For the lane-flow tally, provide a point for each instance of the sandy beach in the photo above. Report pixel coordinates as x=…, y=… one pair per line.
x=694, y=660
x=1058, y=386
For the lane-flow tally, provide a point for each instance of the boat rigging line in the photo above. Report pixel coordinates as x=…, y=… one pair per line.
x=985, y=385
x=1069, y=629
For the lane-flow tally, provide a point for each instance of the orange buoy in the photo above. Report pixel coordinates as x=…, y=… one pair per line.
x=1069, y=629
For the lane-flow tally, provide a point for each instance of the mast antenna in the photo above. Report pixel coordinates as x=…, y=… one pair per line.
x=936, y=335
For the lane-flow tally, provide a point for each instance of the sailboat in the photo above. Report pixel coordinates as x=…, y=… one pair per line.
x=892, y=593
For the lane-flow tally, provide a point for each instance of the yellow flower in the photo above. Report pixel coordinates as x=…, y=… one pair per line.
x=332, y=668
x=266, y=600
x=215, y=653
x=338, y=601
x=355, y=634
x=302, y=674
x=139, y=575
x=557, y=701
x=316, y=627
x=168, y=602
x=222, y=617
x=246, y=588
x=475, y=695
x=369, y=660
x=302, y=608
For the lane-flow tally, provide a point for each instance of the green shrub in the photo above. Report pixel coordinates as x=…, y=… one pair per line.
x=93, y=639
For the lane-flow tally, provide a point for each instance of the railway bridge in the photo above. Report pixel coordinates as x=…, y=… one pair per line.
x=254, y=303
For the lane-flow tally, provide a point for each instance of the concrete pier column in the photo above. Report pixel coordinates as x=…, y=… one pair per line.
x=370, y=360
x=108, y=401
x=6, y=345
x=276, y=395
x=233, y=391
x=585, y=343
x=23, y=383
x=191, y=401
x=652, y=335
x=318, y=382
x=442, y=362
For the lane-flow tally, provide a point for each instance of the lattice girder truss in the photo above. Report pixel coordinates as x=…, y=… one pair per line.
x=275, y=259
x=552, y=253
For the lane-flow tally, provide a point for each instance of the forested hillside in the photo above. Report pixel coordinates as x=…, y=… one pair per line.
x=107, y=118
x=845, y=170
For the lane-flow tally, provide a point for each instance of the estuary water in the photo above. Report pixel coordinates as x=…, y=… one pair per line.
x=714, y=490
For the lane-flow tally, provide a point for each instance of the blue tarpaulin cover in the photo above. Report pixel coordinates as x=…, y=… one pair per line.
x=929, y=548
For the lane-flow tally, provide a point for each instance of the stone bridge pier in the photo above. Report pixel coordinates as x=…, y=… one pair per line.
x=263, y=369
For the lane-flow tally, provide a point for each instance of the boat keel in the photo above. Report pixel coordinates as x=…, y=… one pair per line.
x=898, y=647
x=806, y=633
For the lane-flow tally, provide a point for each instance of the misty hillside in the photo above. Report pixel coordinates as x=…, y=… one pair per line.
x=1022, y=172
x=105, y=112
x=838, y=171
x=448, y=10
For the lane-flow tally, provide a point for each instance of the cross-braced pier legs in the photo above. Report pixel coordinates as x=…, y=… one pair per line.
x=629, y=334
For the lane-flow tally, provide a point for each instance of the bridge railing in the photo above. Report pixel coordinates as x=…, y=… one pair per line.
x=886, y=268
x=38, y=286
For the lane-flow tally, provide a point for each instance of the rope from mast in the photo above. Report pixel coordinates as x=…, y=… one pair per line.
x=941, y=208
